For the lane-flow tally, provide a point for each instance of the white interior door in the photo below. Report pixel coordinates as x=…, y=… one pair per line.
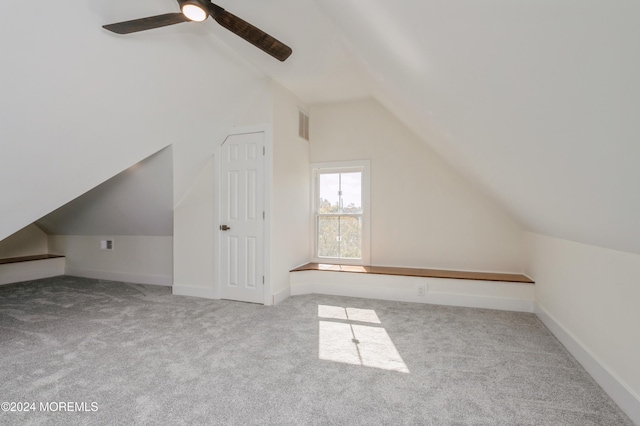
x=241, y=225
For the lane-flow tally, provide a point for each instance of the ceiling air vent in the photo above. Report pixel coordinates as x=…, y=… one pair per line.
x=303, y=125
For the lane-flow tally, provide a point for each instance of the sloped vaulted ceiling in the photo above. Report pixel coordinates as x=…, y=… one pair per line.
x=536, y=101
x=79, y=104
x=138, y=201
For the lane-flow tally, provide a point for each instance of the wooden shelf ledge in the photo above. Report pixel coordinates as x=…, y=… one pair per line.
x=416, y=272
x=28, y=258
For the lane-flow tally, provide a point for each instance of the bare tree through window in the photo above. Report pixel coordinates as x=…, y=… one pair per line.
x=339, y=215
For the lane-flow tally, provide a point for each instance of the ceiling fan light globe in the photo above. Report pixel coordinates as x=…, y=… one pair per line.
x=194, y=12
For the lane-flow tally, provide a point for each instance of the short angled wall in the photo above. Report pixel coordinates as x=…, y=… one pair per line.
x=588, y=297
x=134, y=259
x=452, y=292
x=624, y=396
x=31, y=270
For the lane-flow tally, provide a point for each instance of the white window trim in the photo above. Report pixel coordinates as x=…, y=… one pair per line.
x=341, y=166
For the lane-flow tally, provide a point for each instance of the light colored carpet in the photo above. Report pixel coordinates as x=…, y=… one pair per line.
x=143, y=356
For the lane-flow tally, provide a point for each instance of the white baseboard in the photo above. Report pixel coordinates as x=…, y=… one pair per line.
x=32, y=270
x=282, y=295
x=621, y=394
x=162, y=280
x=183, y=290
x=468, y=293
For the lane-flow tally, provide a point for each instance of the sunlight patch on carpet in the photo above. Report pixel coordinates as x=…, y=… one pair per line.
x=342, y=339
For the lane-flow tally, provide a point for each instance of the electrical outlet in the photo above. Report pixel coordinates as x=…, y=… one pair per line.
x=421, y=290
x=106, y=245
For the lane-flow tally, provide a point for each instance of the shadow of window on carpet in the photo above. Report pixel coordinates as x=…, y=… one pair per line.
x=356, y=336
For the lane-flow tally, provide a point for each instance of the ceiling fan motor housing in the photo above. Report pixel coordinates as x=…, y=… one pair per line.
x=206, y=6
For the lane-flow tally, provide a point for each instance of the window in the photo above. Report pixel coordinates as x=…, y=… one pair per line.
x=341, y=212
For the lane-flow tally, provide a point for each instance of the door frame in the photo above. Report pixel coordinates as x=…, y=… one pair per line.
x=268, y=176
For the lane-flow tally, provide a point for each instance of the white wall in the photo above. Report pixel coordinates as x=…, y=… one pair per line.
x=134, y=207
x=28, y=241
x=277, y=108
x=592, y=294
x=193, y=234
x=423, y=213
x=193, y=226
x=139, y=259
x=290, y=190
x=85, y=104
x=259, y=110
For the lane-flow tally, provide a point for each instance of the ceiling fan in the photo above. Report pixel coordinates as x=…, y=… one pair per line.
x=199, y=10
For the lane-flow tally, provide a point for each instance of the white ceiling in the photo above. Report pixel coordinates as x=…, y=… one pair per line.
x=137, y=201
x=534, y=101
x=79, y=104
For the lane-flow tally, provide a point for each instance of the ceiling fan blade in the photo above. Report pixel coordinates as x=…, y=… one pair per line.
x=149, y=23
x=253, y=35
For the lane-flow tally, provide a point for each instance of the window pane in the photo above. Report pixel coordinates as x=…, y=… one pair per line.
x=329, y=198
x=350, y=237
x=328, y=237
x=339, y=210
x=351, y=186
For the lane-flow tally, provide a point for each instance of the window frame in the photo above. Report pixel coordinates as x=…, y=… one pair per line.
x=362, y=166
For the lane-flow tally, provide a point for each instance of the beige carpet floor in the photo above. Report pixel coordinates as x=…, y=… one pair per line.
x=83, y=351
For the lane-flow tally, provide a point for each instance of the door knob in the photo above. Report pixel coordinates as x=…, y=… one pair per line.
x=224, y=228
